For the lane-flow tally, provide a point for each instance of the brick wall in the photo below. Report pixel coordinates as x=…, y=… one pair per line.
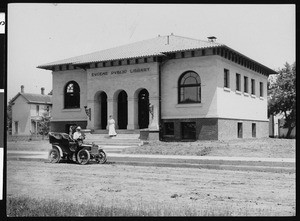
x=227, y=128
x=206, y=128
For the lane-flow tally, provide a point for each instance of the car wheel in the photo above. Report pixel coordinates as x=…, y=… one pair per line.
x=54, y=156
x=83, y=157
x=101, y=158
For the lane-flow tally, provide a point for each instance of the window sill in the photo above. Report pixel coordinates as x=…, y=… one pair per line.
x=238, y=92
x=252, y=95
x=168, y=136
x=226, y=89
x=246, y=94
x=262, y=98
x=71, y=109
x=189, y=105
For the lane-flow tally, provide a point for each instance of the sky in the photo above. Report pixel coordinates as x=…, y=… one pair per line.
x=41, y=33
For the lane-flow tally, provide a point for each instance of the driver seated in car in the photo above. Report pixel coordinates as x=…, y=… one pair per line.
x=77, y=135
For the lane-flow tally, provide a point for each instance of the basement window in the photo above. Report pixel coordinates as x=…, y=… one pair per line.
x=169, y=128
x=188, y=130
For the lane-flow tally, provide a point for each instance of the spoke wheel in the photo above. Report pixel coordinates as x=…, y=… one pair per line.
x=83, y=157
x=54, y=156
x=102, y=157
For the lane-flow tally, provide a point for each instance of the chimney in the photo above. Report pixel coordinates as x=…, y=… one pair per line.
x=43, y=91
x=211, y=38
x=22, y=88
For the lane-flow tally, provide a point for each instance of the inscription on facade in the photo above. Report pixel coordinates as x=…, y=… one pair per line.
x=133, y=70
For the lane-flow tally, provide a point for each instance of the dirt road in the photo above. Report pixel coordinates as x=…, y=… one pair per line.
x=242, y=193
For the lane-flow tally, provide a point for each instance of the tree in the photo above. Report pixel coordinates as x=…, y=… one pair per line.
x=282, y=96
x=44, y=123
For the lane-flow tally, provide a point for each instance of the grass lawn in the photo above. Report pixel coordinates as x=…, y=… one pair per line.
x=264, y=147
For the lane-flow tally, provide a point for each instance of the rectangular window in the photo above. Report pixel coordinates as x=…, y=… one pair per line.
x=188, y=130
x=193, y=54
x=253, y=86
x=253, y=129
x=169, y=128
x=261, y=89
x=226, y=78
x=182, y=54
x=16, y=127
x=240, y=130
x=238, y=82
x=245, y=84
x=37, y=109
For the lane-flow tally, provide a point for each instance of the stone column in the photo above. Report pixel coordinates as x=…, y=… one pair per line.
x=132, y=113
x=153, y=115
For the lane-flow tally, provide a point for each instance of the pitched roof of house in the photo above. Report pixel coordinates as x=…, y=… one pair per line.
x=34, y=98
x=158, y=46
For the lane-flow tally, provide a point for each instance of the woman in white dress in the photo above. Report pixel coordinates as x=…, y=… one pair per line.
x=111, y=127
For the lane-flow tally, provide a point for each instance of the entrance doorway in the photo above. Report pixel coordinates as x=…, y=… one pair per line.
x=143, y=109
x=103, y=106
x=122, y=110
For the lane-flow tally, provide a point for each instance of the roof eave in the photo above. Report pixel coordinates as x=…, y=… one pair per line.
x=263, y=66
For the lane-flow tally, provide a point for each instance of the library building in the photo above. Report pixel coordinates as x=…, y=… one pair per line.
x=170, y=88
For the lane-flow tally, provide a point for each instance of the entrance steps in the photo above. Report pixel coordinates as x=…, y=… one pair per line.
x=124, y=139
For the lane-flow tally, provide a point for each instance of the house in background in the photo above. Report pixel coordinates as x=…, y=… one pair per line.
x=27, y=110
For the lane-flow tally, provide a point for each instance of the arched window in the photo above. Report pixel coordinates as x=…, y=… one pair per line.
x=189, y=88
x=72, y=95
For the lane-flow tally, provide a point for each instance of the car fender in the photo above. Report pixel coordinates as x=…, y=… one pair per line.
x=59, y=149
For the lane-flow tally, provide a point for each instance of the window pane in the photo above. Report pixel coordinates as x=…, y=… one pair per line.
x=189, y=88
x=188, y=130
x=190, y=80
x=238, y=82
x=261, y=89
x=72, y=95
x=190, y=94
x=70, y=88
x=169, y=128
x=226, y=78
x=252, y=86
x=246, y=84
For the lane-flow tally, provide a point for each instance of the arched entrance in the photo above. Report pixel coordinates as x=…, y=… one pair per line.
x=122, y=110
x=103, y=106
x=143, y=109
x=100, y=110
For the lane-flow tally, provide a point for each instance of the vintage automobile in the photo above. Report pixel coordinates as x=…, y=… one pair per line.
x=64, y=147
